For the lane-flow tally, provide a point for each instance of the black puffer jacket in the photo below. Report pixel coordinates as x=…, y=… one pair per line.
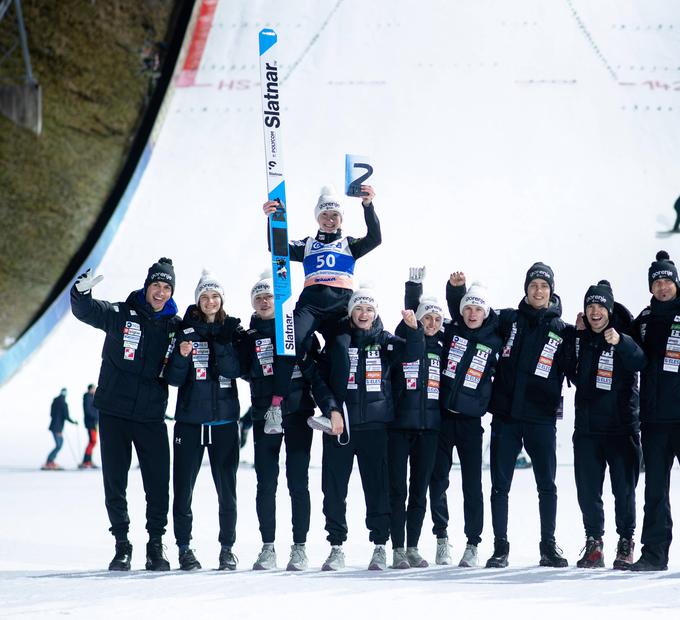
x=533, y=362
x=416, y=384
x=138, y=344
x=257, y=350
x=657, y=330
x=207, y=377
x=607, y=397
x=59, y=414
x=359, y=365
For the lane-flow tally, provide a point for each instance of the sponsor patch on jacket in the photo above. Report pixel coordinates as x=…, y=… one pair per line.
x=547, y=357
x=605, y=371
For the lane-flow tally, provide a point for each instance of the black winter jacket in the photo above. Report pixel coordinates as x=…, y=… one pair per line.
x=90, y=412
x=207, y=377
x=657, y=330
x=257, y=350
x=137, y=347
x=607, y=397
x=358, y=366
x=533, y=362
x=59, y=414
x=469, y=359
x=416, y=384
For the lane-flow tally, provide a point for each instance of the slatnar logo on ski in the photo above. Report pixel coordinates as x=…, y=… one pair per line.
x=289, y=333
x=272, y=106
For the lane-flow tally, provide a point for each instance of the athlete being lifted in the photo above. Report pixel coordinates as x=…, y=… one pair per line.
x=328, y=260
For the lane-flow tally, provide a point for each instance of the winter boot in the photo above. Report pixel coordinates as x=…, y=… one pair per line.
x=273, y=420
x=335, y=560
x=593, y=557
x=501, y=551
x=227, y=560
x=551, y=555
x=188, y=561
x=320, y=423
x=378, y=559
x=123, y=557
x=624, y=554
x=415, y=560
x=443, y=556
x=653, y=558
x=155, y=556
x=469, y=559
x=267, y=558
x=298, y=558
x=399, y=559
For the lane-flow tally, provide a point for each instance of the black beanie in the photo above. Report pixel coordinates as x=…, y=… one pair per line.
x=162, y=271
x=540, y=271
x=600, y=293
x=663, y=267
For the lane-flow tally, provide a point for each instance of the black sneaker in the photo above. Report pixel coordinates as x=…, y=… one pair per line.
x=624, y=554
x=593, y=557
x=123, y=557
x=188, y=561
x=551, y=555
x=155, y=556
x=501, y=550
x=228, y=561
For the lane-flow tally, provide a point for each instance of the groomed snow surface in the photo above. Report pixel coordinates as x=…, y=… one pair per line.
x=55, y=547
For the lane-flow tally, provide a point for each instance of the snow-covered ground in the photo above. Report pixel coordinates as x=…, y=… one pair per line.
x=501, y=132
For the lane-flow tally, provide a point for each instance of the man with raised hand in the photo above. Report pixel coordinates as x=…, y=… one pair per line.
x=131, y=398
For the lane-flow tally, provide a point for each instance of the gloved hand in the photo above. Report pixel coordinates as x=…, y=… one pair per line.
x=416, y=274
x=87, y=281
x=226, y=334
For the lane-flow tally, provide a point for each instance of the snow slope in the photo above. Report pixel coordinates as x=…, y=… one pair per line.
x=501, y=132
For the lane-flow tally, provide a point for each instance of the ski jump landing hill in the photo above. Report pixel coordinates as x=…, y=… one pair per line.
x=501, y=133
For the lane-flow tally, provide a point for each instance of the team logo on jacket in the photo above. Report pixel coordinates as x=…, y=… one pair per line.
x=132, y=336
x=433, y=376
x=458, y=347
x=201, y=374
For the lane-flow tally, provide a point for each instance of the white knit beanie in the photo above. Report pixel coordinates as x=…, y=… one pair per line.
x=477, y=295
x=363, y=295
x=429, y=305
x=264, y=285
x=208, y=282
x=328, y=201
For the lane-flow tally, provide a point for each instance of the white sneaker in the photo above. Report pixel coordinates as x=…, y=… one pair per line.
x=335, y=560
x=267, y=558
x=298, y=558
x=273, y=421
x=415, y=560
x=469, y=559
x=320, y=423
x=443, y=557
x=378, y=559
x=399, y=559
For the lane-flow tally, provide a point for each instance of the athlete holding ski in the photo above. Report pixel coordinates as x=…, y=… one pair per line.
x=328, y=260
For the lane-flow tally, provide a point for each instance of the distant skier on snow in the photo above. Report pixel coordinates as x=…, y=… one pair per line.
x=59, y=415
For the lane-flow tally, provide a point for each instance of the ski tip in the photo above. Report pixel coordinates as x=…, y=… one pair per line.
x=268, y=38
